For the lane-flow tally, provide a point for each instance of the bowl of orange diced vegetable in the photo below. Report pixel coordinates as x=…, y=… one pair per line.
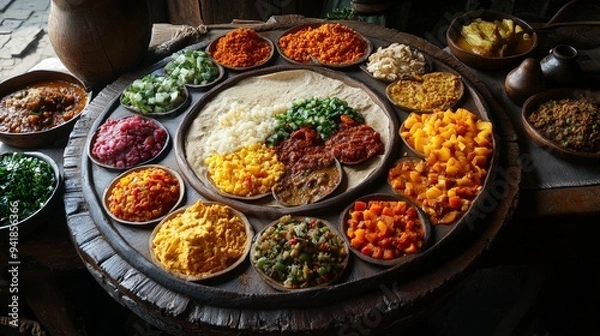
x=143, y=195
x=454, y=147
x=385, y=229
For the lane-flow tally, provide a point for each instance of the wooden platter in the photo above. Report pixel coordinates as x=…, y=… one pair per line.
x=244, y=288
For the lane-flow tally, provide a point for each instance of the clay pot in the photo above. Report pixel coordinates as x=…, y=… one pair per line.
x=98, y=40
x=560, y=66
x=524, y=81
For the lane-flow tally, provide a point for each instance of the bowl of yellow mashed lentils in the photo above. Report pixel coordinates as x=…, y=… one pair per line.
x=201, y=241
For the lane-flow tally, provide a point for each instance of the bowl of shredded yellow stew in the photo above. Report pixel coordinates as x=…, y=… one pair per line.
x=201, y=241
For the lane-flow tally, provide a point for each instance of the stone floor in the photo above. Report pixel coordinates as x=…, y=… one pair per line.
x=24, y=38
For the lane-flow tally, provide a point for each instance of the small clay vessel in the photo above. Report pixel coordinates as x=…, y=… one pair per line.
x=560, y=66
x=524, y=81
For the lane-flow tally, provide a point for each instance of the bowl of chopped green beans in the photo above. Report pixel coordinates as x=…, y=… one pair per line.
x=29, y=182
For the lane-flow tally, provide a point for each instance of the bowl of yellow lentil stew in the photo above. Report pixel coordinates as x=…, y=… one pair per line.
x=426, y=93
x=201, y=241
x=143, y=195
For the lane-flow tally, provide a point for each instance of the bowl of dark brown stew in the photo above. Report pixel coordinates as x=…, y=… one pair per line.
x=38, y=108
x=307, y=186
x=565, y=122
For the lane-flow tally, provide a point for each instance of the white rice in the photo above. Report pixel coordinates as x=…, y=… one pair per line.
x=240, y=127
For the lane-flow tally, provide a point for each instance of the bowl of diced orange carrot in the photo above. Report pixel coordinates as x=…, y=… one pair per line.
x=385, y=229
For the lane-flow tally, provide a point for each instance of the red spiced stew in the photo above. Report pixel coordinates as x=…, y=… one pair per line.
x=41, y=106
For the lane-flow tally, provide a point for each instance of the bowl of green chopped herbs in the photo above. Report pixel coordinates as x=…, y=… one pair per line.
x=29, y=182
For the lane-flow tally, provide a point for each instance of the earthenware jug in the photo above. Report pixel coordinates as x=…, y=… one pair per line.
x=524, y=81
x=560, y=66
x=98, y=40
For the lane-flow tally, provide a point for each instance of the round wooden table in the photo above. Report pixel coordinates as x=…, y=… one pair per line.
x=385, y=303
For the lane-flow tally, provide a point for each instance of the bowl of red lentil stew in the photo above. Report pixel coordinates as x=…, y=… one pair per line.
x=385, y=229
x=143, y=195
x=565, y=121
x=332, y=45
x=38, y=108
x=241, y=49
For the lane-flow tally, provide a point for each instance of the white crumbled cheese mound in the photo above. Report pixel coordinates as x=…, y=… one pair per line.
x=240, y=127
x=396, y=61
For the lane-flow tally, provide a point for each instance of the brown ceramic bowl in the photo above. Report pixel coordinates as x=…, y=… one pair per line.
x=460, y=51
x=532, y=103
x=49, y=136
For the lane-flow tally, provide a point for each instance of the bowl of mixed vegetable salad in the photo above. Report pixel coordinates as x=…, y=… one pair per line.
x=29, y=182
x=294, y=253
